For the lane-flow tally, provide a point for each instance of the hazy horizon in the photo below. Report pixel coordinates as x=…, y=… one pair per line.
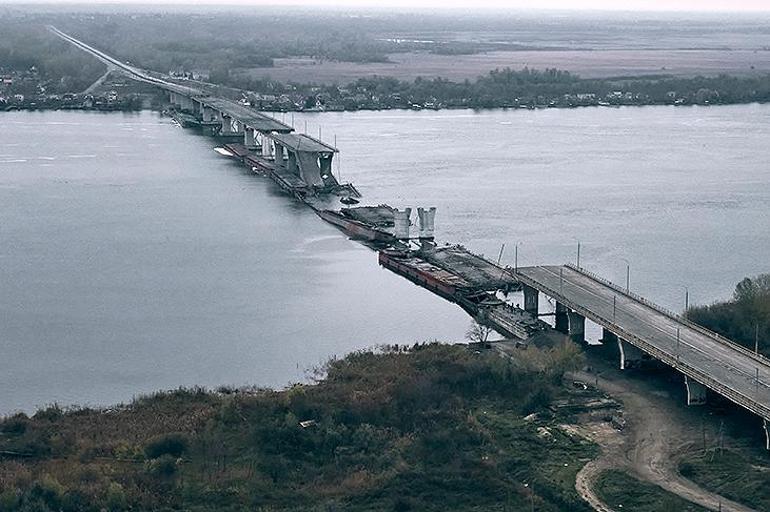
x=651, y=6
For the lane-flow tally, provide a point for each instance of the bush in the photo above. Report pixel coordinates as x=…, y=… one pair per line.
x=163, y=466
x=174, y=444
x=15, y=425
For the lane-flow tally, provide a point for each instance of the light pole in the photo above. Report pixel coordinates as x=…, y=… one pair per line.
x=628, y=274
x=578, y=254
x=756, y=338
x=516, y=258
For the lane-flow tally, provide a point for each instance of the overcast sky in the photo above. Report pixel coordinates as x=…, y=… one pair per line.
x=636, y=5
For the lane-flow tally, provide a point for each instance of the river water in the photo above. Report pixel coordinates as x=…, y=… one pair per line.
x=133, y=257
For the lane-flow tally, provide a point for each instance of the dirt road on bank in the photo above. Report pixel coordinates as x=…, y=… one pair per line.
x=659, y=428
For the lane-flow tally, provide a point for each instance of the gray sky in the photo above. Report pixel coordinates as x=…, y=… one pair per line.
x=636, y=5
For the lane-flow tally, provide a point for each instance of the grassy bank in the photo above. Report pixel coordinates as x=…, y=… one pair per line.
x=624, y=492
x=736, y=475
x=432, y=428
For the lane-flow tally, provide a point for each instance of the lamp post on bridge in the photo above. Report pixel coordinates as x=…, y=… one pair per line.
x=628, y=274
x=578, y=254
x=516, y=257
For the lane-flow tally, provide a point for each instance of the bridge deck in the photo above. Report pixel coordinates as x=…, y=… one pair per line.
x=716, y=363
x=302, y=142
x=246, y=115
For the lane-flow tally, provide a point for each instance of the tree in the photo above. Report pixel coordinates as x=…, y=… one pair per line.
x=478, y=333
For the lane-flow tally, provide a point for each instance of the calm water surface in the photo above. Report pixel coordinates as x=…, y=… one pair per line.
x=134, y=258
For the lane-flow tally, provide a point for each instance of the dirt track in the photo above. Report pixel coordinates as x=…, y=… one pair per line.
x=658, y=428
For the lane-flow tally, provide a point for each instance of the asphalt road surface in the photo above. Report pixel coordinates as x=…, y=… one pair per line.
x=717, y=359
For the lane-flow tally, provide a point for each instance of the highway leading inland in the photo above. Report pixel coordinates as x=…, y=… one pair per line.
x=712, y=361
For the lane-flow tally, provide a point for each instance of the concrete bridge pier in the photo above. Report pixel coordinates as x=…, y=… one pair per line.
x=630, y=355
x=173, y=99
x=266, y=145
x=227, y=124
x=577, y=327
x=249, y=140
x=427, y=218
x=561, y=318
x=696, y=392
x=209, y=114
x=185, y=103
x=401, y=223
x=531, y=296
x=292, y=164
x=278, y=155
x=197, y=106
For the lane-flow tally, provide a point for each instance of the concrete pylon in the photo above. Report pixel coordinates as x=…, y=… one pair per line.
x=266, y=145
x=577, y=327
x=696, y=392
x=227, y=124
x=531, y=296
x=561, y=318
x=248, y=138
x=427, y=219
x=278, y=155
x=401, y=223
x=630, y=355
x=208, y=113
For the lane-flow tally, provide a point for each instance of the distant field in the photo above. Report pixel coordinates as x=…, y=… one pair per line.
x=587, y=63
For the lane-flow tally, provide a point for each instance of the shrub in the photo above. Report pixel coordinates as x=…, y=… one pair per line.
x=163, y=466
x=174, y=444
x=15, y=425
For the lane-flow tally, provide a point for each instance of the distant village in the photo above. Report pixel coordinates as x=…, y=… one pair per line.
x=26, y=90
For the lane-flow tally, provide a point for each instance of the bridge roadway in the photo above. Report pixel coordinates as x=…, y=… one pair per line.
x=731, y=370
x=133, y=72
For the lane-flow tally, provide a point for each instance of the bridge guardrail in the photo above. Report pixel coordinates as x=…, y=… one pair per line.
x=732, y=394
x=674, y=316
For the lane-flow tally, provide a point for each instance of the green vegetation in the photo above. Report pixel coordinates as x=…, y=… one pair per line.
x=736, y=475
x=434, y=427
x=617, y=488
x=744, y=319
x=224, y=48
x=47, y=60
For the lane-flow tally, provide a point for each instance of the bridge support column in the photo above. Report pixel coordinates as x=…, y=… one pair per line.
x=766, y=426
x=696, y=392
x=265, y=144
x=248, y=138
x=278, y=155
x=293, y=164
x=209, y=114
x=630, y=356
x=530, y=299
x=172, y=98
x=561, y=318
x=227, y=125
x=577, y=327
